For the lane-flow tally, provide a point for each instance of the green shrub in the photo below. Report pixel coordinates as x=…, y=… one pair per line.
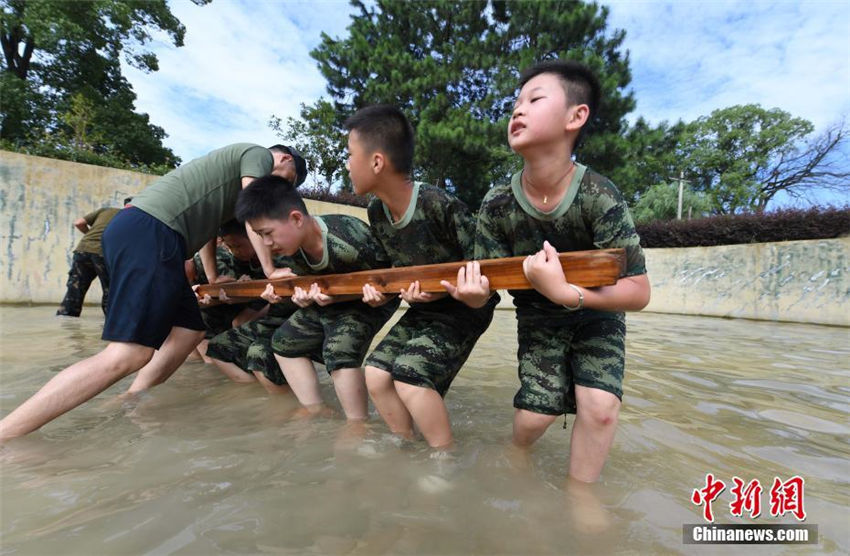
x=84, y=156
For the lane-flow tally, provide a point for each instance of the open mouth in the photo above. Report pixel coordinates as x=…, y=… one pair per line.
x=515, y=127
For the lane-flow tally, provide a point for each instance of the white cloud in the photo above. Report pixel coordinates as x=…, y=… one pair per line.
x=689, y=58
x=241, y=63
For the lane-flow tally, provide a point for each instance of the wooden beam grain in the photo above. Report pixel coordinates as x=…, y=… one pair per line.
x=597, y=267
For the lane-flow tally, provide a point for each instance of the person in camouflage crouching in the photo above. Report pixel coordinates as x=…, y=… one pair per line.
x=335, y=331
x=244, y=353
x=235, y=260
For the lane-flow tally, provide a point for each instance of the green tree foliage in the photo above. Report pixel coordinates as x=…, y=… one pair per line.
x=453, y=67
x=318, y=137
x=742, y=156
x=60, y=56
x=661, y=202
x=79, y=120
x=651, y=155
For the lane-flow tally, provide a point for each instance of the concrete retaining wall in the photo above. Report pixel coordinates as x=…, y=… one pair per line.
x=800, y=281
x=797, y=281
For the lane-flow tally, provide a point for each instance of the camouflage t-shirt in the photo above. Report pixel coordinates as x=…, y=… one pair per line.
x=592, y=215
x=228, y=265
x=282, y=261
x=435, y=228
x=238, y=268
x=286, y=307
x=225, y=264
x=349, y=246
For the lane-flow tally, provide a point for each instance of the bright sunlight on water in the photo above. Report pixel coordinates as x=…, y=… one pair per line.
x=203, y=466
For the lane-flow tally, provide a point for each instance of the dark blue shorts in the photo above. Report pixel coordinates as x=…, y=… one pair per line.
x=148, y=293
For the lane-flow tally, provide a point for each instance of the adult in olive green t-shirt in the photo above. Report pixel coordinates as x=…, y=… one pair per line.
x=151, y=325
x=198, y=197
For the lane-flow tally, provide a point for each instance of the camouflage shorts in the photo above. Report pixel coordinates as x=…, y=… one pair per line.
x=552, y=360
x=249, y=347
x=427, y=350
x=337, y=335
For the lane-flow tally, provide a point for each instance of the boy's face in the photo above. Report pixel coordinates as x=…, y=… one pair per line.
x=541, y=115
x=283, y=236
x=359, y=164
x=240, y=246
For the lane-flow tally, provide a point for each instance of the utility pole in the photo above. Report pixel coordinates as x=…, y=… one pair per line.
x=681, y=181
x=681, y=194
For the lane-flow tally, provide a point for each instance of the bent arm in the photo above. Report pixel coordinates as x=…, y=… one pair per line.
x=207, y=253
x=263, y=252
x=630, y=293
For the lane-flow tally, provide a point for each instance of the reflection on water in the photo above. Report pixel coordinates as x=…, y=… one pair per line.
x=200, y=465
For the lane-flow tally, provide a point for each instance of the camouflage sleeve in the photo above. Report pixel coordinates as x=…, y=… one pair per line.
x=374, y=213
x=382, y=260
x=462, y=224
x=200, y=275
x=369, y=251
x=613, y=227
x=225, y=262
x=490, y=239
x=282, y=261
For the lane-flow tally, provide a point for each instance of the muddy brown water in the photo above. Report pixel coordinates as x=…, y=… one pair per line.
x=203, y=466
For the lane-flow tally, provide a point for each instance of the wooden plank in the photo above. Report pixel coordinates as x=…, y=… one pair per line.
x=597, y=267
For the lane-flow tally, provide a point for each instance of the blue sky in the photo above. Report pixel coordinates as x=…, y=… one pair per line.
x=244, y=61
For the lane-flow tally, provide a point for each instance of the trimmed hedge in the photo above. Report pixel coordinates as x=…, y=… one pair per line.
x=780, y=225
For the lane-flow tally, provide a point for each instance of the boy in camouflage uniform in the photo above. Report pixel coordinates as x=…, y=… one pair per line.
x=244, y=352
x=235, y=260
x=88, y=262
x=571, y=339
x=410, y=371
x=335, y=331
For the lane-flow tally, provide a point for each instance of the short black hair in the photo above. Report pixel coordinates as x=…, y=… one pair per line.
x=127, y=201
x=233, y=228
x=580, y=84
x=268, y=197
x=385, y=128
